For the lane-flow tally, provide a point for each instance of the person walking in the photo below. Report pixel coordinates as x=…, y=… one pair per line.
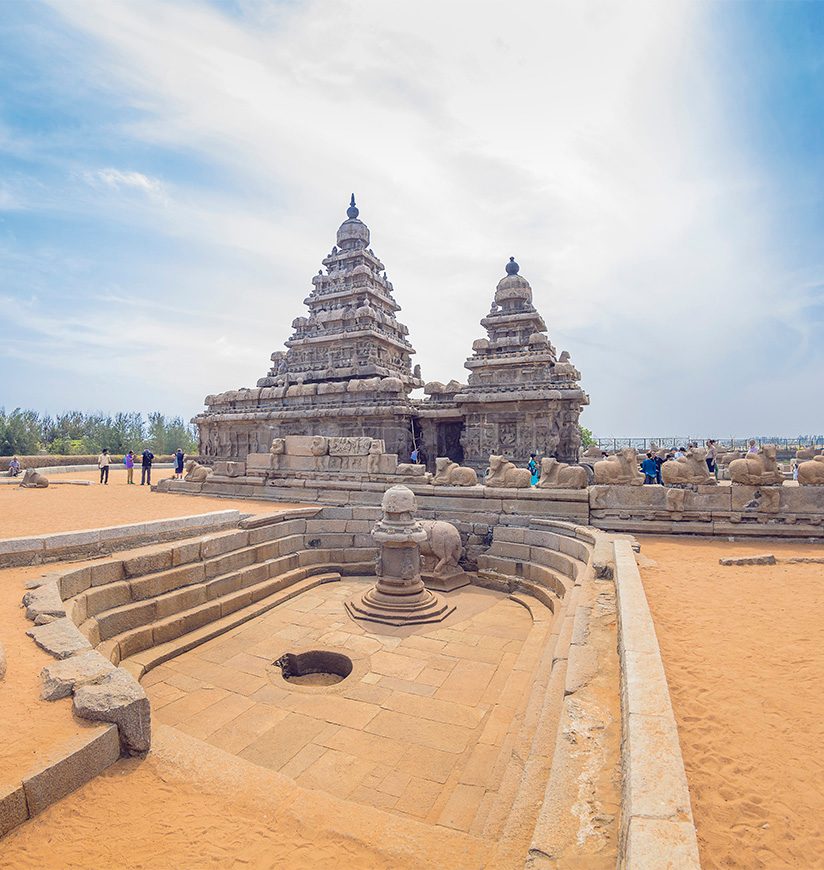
x=179, y=464
x=146, y=467
x=532, y=465
x=103, y=463
x=649, y=468
x=128, y=461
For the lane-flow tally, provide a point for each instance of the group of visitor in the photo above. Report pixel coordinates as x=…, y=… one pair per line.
x=651, y=464
x=104, y=462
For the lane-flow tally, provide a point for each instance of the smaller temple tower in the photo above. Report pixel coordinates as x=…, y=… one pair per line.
x=521, y=396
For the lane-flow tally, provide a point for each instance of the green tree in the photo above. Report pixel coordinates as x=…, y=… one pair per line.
x=166, y=435
x=19, y=432
x=586, y=437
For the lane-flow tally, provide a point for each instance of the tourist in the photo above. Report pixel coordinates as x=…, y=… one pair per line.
x=14, y=467
x=103, y=463
x=179, y=464
x=711, y=454
x=794, y=467
x=680, y=453
x=533, y=467
x=649, y=468
x=659, y=461
x=413, y=458
x=128, y=461
x=146, y=467
x=753, y=446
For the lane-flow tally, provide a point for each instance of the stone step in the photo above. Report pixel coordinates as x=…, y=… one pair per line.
x=138, y=663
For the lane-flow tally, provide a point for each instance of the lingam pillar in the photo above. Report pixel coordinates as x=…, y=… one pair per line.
x=399, y=597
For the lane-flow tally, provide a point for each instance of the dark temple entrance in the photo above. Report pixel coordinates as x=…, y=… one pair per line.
x=448, y=437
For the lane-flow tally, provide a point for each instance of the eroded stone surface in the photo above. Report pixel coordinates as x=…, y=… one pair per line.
x=60, y=678
x=120, y=699
x=45, y=600
x=61, y=638
x=765, y=559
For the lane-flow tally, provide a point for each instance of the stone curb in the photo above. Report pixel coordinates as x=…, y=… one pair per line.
x=15, y=552
x=657, y=828
x=74, y=764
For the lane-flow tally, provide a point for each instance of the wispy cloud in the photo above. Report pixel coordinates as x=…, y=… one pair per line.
x=593, y=141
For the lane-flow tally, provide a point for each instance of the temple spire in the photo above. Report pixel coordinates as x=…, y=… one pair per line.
x=352, y=212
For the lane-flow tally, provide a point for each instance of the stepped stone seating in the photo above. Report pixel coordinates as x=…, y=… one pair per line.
x=166, y=598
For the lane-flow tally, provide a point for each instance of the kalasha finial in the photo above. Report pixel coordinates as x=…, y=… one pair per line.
x=512, y=267
x=352, y=212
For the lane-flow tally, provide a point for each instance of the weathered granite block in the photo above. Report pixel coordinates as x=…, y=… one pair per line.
x=60, y=638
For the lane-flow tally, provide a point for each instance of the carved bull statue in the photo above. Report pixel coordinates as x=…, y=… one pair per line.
x=443, y=542
x=691, y=469
x=34, y=480
x=449, y=473
x=502, y=472
x=556, y=475
x=757, y=469
x=196, y=473
x=811, y=473
x=621, y=468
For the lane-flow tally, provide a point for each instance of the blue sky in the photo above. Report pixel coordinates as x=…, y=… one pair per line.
x=171, y=175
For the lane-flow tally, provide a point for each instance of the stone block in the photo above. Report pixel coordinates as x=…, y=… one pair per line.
x=303, y=445
x=346, y=446
x=72, y=583
x=106, y=572
x=101, y=598
x=44, y=601
x=235, y=601
x=158, y=584
x=13, y=808
x=136, y=641
x=202, y=616
x=183, y=554
x=228, y=563
x=179, y=600
x=71, y=541
x=765, y=559
x=149, y=563
x=70, y=766
x=59, y=679
x=168, y=629
x=660, y=844
x=225, y=543
x=60, y=638
x=120, y=699
x=114, y=622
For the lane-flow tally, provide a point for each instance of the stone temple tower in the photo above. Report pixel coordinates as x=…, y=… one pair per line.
x=521, y=396
x=347, y=370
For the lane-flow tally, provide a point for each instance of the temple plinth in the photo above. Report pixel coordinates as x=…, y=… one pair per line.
x=399, y=597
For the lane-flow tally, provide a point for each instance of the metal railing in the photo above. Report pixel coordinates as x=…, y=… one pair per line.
x=721, y=443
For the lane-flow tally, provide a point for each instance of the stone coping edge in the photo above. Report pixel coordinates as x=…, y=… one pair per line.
x=16, y=552
x=657, y=827
x=68, y=767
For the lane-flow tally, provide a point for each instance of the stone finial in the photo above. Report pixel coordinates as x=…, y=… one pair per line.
x=352, y=212
x=512, y=267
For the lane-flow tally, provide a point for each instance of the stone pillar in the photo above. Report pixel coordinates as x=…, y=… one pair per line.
x=399, y=597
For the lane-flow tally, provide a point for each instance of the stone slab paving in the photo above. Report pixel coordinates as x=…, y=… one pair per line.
x=423, y=727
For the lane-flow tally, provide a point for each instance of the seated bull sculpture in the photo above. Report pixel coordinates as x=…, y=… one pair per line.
x=556, y=475
x=34, y=480
x=757, y=469
x=502, y=472
x=689, y=469
x=621, y=468
x=811, y=473
x=196, y=473
x=449, y=473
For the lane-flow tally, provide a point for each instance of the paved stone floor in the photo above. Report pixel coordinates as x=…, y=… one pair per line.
x=424, y=726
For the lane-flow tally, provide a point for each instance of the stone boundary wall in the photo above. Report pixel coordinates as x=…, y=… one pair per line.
x=73, y=462
x=16, y=552
x=657, y=828
x=67, y=768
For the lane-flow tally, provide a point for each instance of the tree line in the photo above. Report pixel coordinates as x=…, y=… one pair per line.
x=27, y=433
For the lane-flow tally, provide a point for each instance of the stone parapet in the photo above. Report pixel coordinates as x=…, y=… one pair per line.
x=657, y=828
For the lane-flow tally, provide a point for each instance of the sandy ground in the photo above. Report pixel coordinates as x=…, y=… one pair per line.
x=71, y=508
x=743, y=649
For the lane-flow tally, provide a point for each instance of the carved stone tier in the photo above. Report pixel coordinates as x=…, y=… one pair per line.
x=399, y=597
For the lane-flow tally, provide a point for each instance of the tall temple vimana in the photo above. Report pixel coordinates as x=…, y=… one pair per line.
x=348, y=371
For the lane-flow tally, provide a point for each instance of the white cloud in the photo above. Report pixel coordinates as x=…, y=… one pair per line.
x=587, y=139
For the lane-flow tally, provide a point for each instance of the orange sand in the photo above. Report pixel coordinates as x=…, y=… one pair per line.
x=743, y=649
x=71, y=508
